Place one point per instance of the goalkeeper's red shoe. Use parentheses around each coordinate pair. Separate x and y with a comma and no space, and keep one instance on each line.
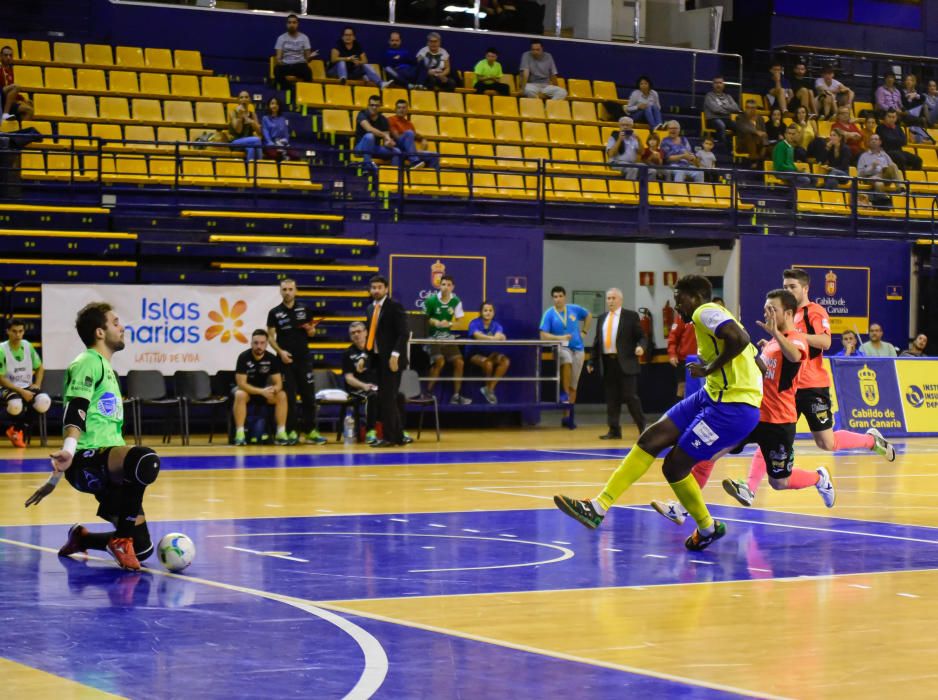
(122,549)
(73,545)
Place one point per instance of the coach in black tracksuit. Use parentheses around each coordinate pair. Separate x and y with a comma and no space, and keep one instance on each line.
(618,344)
(289,326)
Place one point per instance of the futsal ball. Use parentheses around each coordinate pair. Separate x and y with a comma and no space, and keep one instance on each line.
(176,551)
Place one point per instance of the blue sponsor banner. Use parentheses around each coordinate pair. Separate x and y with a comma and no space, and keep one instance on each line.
(844,292)
(414,277)
(868,392)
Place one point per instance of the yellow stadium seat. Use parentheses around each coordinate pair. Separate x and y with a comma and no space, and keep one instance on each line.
(823,128)
(701,195)
(557,110)
(468,80)
(267,174)
(451,127)
(452,154)
(98,55)
(425,124)
(450,103)
(835,202)
(29,77)
(536,153)
(154,84)
(929,158)
(78,131)
(561,134)
(587,135)
(454,183)
(232,171)
(60,166)
(178,111)
(43,127)
(147,110)
(577,89)
(531,107)
(295,174)
(32,165)
(81,106)
(860,107)
(422,182)
(516,186)
(423,101)
(162,170)
(622,191)
(210,113)
(808,200)
(918,182)
(123,82)
(390,96)
(507,130)
(675,193)
(482,185)
(594,188)
(13,44)
(67,52)
(185,86)
(309,94)
(503,106)
(920,207)
(479,129)
(509,156)
(534,132)
(479,105)
(56,78)
(215,86)
(339,96)
(582,111)
(481,154)
(107,132)
(336,121)
(188,60)
(139,132)
(35,51)
(564,160)
(563,189)
(130,57)
(362,93)
(758,99)
(129,168)
(48,105)
(318,68)
(171,134)
(591,160)
(197,171)
(90,80)
(388,178)
(115,109)
(605,90)
(158,58)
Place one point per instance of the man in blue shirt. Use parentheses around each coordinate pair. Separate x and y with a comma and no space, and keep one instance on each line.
(399,63)
(562,322)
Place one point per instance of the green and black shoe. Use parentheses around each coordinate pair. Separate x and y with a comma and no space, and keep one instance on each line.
(582,511)
(697,542)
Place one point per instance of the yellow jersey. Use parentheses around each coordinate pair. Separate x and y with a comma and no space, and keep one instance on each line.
(739,380)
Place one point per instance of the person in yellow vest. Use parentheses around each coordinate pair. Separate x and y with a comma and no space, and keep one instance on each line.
(718,416)
(21,373)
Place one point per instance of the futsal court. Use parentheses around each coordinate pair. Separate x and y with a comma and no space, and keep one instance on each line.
(444,570)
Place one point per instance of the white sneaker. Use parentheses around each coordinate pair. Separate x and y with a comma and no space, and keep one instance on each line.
(672,510)
(739,490)
(387,83)
(458,400)
(882,446)
(825,487)
(6,116)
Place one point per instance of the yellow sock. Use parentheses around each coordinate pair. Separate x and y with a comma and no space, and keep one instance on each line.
(636,463)
(689,494)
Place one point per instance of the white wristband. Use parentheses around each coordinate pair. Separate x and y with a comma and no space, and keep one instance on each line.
(70,445)
(55,478)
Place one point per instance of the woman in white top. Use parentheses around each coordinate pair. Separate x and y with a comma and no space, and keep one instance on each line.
(644,104)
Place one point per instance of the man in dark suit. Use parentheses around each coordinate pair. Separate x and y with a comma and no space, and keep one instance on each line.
(387,341)
(618,344)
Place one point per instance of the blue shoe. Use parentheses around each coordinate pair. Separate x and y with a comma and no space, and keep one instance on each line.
(314,438)
(564,397)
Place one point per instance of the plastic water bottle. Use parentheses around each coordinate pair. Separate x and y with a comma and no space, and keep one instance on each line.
(348,428)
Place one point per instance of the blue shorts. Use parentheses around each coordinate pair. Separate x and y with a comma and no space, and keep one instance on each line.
(708,427)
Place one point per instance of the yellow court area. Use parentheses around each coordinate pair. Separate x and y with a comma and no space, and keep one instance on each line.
(797,601)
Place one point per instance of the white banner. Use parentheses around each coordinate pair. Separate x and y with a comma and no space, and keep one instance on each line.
(167,327)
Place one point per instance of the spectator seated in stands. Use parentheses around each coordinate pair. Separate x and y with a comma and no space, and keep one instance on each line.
(851,345)
(807,135)
(917,347)
(406,137)
(15,104)
(913,102)
(400,65)
(644,104)
(887,95)
(443,309)
(930,112)
(850,130)
(751,136)
(835,161)
(654,158)
(876,346)
(707,159)
(803,88)
(870,125)
(434,66)
(491,360)
(259,383)
(893,139)
(348,60)
(831,94)
(360,378)
(778,93)
(539,74)
(775,127)
(244,128)
(21,373)
(678,155)
(878,166)
(373,134)
(489,74)
(783,160)
(294,52)
(275,130)
(623,149)
(719,109)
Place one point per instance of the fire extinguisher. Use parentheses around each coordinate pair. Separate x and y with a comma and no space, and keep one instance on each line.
(648,330)
(667,317)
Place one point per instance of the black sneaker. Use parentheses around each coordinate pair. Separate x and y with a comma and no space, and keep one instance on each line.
(697,542)
(582,511)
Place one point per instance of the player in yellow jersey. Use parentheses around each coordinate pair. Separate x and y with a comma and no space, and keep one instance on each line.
(718,416)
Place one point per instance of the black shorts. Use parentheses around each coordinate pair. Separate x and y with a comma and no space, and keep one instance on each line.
(815,405)
(777,443)
(88,472)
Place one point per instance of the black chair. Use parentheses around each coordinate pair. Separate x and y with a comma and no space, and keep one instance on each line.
(326,379)
(413,395)
(53,384)
(194,388)
(147,387)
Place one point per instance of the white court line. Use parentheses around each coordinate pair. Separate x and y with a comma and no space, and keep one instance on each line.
(565,553)
(585,454)
(376,660)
